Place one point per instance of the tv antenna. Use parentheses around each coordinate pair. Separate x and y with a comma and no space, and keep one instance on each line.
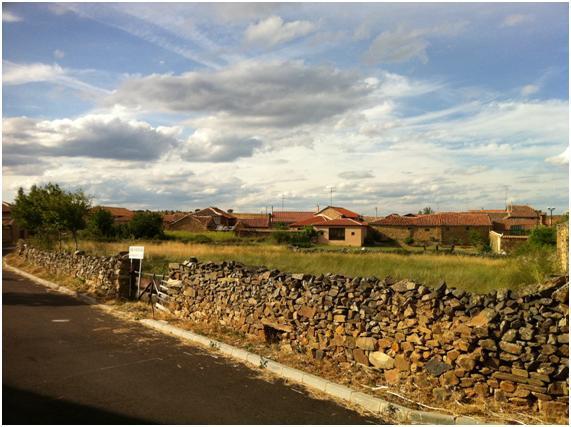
(331,190)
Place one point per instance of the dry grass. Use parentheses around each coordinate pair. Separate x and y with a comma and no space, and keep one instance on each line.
(477,274)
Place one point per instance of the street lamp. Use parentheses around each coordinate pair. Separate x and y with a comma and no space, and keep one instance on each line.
(550,216)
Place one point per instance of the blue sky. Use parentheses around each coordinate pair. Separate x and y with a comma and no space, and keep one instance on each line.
(396,106)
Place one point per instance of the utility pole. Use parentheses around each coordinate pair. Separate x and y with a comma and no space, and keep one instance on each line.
(376,212)
(550,216)
(331,190)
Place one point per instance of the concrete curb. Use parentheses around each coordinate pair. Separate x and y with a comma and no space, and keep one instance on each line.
(370,403)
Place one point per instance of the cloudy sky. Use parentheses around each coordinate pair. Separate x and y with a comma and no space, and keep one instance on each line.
(395,106)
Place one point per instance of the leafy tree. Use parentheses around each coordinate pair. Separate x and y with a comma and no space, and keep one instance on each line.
(543,236)
(73,209)
(425,211)
(101,223)
(146,225)
(49,210)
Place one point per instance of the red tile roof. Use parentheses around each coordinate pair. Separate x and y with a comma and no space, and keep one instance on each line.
(213,211)
(438,219)
(6,208)
(117,212)
(168,218)
(314,220)
(345,212)
(522,211)
(290,216)
(256,222)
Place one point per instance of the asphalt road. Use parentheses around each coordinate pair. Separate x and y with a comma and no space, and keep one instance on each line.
(65,362)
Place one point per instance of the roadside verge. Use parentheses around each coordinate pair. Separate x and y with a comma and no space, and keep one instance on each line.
(364,401)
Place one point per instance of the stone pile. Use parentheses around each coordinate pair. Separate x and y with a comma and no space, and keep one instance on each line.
(104,276)
(511,347)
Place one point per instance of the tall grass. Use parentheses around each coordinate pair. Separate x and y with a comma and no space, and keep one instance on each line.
(467,272)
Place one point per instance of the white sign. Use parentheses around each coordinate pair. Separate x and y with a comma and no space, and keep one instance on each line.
(136,252)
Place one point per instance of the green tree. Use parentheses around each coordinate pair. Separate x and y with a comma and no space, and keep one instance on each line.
(100,223)
(543,236)
(146,225)
(48,210)
(425,211)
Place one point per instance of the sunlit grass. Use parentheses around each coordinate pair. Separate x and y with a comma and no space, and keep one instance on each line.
(477,274)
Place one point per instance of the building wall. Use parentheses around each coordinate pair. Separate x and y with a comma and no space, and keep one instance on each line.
(392,232)
(563,247)
(354,236)
(460,234)
(426,234)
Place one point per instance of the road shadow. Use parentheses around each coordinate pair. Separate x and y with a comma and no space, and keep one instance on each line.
(26,407)
(37,300)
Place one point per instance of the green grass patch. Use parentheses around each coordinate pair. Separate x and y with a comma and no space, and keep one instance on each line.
(476,274)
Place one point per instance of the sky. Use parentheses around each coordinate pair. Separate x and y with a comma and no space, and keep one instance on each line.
(381,107)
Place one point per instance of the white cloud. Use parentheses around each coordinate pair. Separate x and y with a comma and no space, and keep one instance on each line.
(59,54)
(404,44)
(17,74)
(356,175)
(8,16)
(253,93)
(529,90)
(91,136)
(516,19)
(14,74)
(561,159)
(210,145)
(273,31)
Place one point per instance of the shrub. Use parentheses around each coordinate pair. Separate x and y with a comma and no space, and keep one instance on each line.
(409,240)
(100,224)
(543,236)
(146,225)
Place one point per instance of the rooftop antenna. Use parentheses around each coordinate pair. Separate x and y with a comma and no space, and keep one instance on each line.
(506,189)
(331,190)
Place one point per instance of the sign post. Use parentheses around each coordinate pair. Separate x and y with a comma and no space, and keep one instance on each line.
(137,252)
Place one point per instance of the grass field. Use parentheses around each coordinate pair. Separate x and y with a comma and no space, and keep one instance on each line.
(467,272)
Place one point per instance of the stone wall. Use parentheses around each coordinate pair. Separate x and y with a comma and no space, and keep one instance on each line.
(563,247)
(104,276)
(513,348)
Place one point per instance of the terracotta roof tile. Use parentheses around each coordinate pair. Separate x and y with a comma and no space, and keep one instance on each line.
(256,222)
(291,216)
(438,219)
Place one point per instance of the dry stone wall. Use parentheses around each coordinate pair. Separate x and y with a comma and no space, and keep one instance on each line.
(452,343)
(104,276)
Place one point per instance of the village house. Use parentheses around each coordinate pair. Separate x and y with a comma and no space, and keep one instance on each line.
(120,215)
(444,228)
(209,219)
(287,218)
(516,220)
(336,226)
(10,230)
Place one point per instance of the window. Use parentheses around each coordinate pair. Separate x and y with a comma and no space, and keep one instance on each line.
(352,233)
(336,234)
(427,229)
(467,228)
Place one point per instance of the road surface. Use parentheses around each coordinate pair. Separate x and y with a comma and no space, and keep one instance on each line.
(65,362)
